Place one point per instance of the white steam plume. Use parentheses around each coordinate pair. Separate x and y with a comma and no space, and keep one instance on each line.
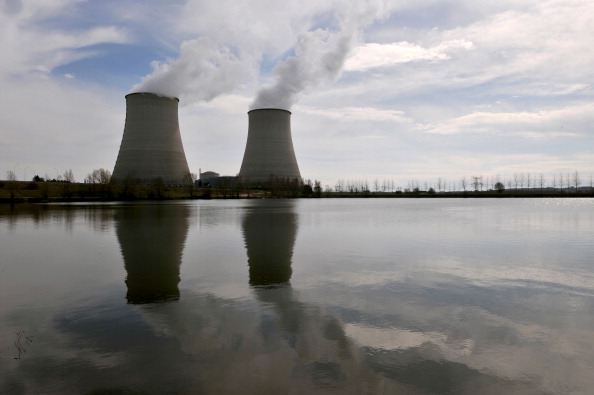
(319,57)
(202,72)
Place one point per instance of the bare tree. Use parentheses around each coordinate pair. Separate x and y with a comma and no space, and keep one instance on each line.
(516,180)
(68,188)
(11,184)
(463,183)
(576,180)
(10,175)
(68,176)
(541,181)
(477,181)
(99,176)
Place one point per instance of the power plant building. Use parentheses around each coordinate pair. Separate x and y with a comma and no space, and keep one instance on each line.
(269,152)
(151,147)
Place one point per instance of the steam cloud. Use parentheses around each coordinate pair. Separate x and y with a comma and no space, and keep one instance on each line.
(202,72)
(319,57)
(205,70)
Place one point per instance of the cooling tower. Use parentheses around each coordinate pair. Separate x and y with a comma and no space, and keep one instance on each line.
(269,150)
(151,146)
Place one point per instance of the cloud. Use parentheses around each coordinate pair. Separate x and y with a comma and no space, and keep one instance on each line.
(537,124)
(372,55)
(203,71)
(349,114)
(26,48)
(319,56)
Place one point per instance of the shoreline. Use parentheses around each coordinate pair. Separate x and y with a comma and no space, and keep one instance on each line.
(22,192)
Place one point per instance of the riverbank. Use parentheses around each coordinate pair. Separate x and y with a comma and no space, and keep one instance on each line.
(48,192)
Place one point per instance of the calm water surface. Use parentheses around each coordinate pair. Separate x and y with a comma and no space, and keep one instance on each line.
(420,296)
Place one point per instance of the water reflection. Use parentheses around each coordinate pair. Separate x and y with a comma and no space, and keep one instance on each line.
(313,345)
(152,239)
(392,312)
(269,234)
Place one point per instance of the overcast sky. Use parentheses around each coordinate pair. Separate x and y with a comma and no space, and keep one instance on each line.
(391,89)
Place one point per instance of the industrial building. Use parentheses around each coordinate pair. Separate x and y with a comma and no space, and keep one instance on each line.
(269,152)
(151,147)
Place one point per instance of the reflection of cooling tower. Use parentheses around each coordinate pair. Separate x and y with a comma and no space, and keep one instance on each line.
(269,236)
(151,147)
(269,150)
(152,239)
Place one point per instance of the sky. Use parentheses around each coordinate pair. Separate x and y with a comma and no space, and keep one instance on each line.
(378,89)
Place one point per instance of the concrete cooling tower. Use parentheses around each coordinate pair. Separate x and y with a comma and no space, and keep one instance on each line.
(151,146)
(269,150)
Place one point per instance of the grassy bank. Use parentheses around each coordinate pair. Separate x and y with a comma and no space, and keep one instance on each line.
(21,191)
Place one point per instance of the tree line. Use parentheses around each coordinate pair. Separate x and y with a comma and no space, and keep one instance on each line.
(524,182)
(100,184)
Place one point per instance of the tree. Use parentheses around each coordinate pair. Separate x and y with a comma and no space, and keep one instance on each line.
(10,175)
(477,182)
(68,176)
(99,176)
(499,187)
(67,188)
(317,188)
(11,184)
(463,183)
(576,180)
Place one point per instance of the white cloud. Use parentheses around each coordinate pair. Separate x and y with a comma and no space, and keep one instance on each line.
(538,124)
(349,114)
(379,55)
(26,47)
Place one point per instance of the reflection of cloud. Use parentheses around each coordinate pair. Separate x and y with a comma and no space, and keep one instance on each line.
(419,327)
(208,344)
(401,339)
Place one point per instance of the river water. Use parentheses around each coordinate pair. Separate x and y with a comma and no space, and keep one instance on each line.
(377,296)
